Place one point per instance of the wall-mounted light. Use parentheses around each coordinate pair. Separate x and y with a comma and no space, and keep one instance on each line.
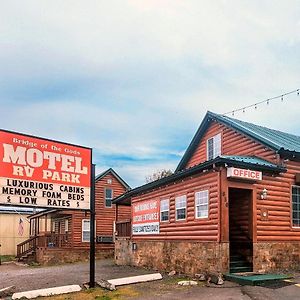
(264,194)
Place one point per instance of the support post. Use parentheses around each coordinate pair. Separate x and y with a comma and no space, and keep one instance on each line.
(92,229)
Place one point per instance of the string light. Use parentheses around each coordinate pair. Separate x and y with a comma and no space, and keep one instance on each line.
(267,101)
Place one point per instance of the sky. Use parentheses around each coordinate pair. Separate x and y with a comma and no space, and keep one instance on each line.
(134,79)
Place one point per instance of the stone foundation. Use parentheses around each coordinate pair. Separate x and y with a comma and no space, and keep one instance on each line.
(184,257)
(53,256)
(276,256)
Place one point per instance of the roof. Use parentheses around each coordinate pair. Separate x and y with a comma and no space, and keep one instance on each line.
(17,210)
(110,170)
(283,143)
(251,162)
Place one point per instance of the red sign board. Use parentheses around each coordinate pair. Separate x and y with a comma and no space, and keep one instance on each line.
(43,173)
(244,174)
(145,217)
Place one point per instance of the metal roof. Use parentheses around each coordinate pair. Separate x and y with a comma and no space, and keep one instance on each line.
(252,162)
(286,144)
(17,210)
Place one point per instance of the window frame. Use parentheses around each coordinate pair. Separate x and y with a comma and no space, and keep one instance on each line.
(82,227)
(165,210)
(66,225)
(215,154)
(112,197)
(197,206)
(176,208)
(292,209)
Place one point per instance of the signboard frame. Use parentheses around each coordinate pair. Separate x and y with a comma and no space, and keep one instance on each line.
(66,184)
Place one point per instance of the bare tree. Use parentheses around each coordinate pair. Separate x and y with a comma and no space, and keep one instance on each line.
(158,175)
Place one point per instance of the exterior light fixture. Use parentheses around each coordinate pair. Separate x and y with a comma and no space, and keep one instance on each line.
(264,194)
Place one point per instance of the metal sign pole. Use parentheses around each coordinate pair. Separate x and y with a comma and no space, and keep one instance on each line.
(92,229)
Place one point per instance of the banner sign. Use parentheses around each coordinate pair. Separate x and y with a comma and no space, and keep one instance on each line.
(244,174)
(38,172)
(145,217)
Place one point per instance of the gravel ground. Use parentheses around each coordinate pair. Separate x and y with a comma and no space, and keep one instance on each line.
(30,278)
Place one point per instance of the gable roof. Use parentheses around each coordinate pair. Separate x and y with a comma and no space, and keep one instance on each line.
(283,143)
(111,171)
(251,162)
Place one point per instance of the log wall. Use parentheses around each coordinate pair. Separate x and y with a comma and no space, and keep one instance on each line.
(191,228)
(233,143)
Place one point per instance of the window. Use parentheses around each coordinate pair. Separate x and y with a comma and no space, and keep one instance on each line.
(85,230)
(296,205)
(108,197)
(214,147)
(164,210)
(180,204)
(201,204)
(66,225)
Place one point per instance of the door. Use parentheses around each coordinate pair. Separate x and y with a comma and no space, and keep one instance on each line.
(240,230)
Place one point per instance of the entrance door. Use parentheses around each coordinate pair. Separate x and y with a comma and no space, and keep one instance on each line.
(240,230)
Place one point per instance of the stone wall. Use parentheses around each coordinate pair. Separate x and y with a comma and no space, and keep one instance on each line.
(276,256)
(185,257)
(53,256)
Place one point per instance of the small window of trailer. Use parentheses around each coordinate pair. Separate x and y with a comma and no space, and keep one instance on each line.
(180,205)
(214,147)
(296,206)
(164,210)
(201,204)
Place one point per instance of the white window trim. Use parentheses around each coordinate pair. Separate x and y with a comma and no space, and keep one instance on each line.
(214,138)
(66,225)
(185,207)
(293,226)
(112,197)
(198,206)
(168,210)
(82,221)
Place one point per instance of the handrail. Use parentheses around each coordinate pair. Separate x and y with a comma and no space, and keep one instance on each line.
(27,246)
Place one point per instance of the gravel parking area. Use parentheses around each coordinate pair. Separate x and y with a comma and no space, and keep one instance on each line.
(29,278)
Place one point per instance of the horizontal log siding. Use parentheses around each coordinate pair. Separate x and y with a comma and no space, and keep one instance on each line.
(191,228)
(233,143)
(105,216)
(278,227)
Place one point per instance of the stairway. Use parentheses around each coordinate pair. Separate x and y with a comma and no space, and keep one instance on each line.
(239,264)
(28,258)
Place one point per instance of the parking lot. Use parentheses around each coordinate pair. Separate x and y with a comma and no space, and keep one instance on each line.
(29,278)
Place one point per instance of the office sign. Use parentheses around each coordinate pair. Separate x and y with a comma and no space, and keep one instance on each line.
(43,173)
(244,174)
(145,217)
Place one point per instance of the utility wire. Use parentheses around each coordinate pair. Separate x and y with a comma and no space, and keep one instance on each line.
(255,105)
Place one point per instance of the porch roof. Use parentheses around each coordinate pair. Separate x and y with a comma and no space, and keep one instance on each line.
(248,162)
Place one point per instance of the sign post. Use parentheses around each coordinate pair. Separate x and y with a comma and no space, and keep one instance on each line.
(92,229)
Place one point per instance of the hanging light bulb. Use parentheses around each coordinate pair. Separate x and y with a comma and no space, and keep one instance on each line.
(297,92)
(281,98)
(243,110)
(255,106)
(233,113)
(268,102)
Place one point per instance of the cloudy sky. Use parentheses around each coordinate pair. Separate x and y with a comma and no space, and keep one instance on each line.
(133,79)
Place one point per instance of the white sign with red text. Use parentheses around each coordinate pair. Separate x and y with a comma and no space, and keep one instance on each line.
(244,174)
(145,217)
(38,172)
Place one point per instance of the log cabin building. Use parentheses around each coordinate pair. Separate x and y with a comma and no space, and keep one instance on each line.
(64,235)
(232,205)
